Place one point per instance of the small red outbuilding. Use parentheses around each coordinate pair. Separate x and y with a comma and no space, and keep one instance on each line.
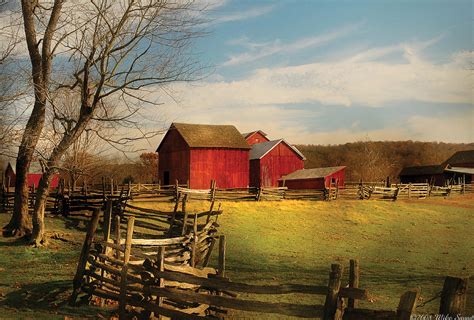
(317,178)
(34,175)
(255,137)
(199,153)
(271,160)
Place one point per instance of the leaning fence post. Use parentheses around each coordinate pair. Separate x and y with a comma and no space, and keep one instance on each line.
(407,304)
(332,299)
(353,280)
(107,222)
(81,266)
(453,296)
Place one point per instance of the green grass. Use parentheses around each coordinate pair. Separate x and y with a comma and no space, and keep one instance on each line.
(35,283)
(401,245)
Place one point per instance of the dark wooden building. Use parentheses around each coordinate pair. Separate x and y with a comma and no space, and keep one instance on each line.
(456,175)
(463,159)
(456,168)
(316,178)
(433,174)
(271,160)
(255,137)
(198,153)
(34,175)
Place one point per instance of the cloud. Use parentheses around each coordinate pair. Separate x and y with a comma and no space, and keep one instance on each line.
(279,100)
(347,82)
(261,50)
(242,15)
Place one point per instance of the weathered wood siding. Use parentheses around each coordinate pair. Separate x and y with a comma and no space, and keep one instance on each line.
(281,160)
(436,179)
(256,137)
(316,183)
(174,157)
(228,167)
(336,176)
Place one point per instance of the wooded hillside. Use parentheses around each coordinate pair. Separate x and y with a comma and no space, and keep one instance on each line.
(375,160)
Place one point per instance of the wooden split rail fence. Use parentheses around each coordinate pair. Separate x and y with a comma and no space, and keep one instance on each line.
(151,276)
(66,201)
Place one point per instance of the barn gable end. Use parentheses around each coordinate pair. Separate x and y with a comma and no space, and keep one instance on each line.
(255,137)
(198,153)
(270,160)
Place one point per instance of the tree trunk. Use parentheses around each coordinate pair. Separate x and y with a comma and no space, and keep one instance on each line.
(42,194)
(20,224)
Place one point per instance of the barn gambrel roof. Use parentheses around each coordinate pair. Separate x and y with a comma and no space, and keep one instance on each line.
(313,173)
(259,150)
(209,136)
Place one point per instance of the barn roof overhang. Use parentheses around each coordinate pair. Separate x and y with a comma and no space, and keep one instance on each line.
(460,170)
(314,173)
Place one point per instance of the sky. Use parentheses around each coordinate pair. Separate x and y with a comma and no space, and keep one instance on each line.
(326,71)
(330,72)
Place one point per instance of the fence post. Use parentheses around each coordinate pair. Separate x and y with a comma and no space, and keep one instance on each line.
(117,236)
(332,303)
(209,253)
(259,192)
(107,222)
(353,280)
(453,296)
(176,185)
(161,283)
(195,242)
(222,245)
(407,304)
(409,190)
(123,275)
(81,266)
(213,190)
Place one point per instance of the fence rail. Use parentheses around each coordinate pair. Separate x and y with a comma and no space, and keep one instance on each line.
(67,201)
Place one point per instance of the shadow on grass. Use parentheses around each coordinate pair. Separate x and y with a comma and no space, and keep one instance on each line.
(15,242)
(51,297)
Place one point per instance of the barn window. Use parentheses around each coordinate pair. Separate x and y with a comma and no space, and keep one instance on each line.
(166,178)
(333,181)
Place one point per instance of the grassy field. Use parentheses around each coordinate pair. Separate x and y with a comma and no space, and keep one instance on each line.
(401,245)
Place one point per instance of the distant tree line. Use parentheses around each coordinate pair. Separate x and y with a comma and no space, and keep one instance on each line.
(376,160)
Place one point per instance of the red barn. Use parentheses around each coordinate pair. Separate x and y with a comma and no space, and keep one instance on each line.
(317,178)
(34,175)
(271,160)
(255,137)
(198,153)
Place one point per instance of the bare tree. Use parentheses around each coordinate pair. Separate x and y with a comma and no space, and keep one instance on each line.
(109,53)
